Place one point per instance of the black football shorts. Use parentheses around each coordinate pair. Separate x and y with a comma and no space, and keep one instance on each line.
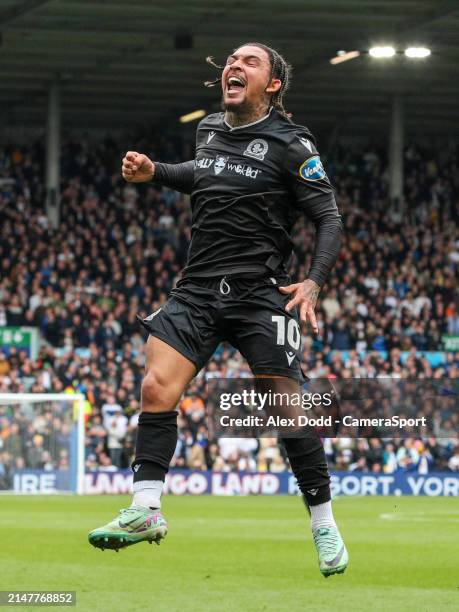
(249,313)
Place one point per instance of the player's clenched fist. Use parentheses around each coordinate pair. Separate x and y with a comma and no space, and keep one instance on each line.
(137,167)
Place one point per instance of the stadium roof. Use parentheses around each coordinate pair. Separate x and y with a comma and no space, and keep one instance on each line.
(118,64)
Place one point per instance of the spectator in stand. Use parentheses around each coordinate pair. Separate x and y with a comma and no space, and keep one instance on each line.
(407,456)
(36,453)
(105,463)
(453,462)
(390,464)
(96,435)
(116,430)
(109,409)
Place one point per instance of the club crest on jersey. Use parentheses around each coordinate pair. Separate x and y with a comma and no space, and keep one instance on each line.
(220,163)
(257,149)
(312,169)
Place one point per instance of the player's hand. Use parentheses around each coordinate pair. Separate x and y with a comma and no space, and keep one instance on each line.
(304,295)
(137,167)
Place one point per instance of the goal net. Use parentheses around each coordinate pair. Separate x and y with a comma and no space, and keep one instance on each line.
(41,443)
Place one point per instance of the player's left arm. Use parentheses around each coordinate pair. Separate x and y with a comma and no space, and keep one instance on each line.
(314,196)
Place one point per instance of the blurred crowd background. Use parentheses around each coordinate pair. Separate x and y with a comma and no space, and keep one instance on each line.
(119,250)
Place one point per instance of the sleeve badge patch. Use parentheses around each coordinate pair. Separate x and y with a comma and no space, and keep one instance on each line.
(312,169)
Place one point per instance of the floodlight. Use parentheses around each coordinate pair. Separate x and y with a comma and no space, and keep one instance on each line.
(417,52)
(380,52)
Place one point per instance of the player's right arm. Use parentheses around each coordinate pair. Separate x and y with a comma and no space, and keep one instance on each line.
(138,168)
(313,195)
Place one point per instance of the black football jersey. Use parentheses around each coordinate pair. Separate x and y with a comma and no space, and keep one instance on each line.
(248,186)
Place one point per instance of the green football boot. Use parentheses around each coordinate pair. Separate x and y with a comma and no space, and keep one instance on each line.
(333,556)
(133,525)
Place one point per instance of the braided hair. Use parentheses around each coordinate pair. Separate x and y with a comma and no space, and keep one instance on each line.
(280,69)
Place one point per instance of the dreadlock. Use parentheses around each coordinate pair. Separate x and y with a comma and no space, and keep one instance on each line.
(280,69)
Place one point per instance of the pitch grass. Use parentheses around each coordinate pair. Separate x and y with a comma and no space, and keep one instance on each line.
(236,554)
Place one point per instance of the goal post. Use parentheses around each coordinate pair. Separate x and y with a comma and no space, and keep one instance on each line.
(42,443)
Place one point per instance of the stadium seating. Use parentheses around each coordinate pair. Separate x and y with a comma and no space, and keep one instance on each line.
(119,249)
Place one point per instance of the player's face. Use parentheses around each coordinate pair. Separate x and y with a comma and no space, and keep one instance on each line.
(245,78)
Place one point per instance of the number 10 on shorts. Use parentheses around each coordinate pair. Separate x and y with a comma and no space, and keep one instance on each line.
(293,331)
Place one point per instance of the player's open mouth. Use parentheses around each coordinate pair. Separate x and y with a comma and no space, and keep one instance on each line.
(235,84)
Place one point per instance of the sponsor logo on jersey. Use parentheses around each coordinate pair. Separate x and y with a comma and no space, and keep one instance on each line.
(257,149)
(306,143)
(244,170)
(210,135)
(220,163)
(204,162)
(290,357)
(312,169)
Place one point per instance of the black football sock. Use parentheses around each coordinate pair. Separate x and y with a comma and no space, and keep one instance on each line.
(309,465)
(155,445)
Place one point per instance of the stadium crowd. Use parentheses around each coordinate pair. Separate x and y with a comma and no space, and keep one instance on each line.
(119,249)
